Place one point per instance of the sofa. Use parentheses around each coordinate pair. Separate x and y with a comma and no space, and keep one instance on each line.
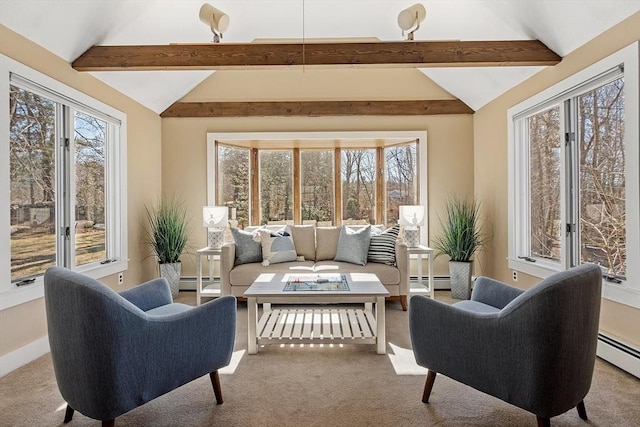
(317,249)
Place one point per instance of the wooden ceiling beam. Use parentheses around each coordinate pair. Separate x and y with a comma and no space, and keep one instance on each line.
(317,108)
(408,54)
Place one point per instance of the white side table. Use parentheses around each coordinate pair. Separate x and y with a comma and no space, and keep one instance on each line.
(211,290)
(420,251)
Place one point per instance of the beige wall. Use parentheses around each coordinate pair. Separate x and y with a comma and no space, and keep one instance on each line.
(449,138)
(25,323)
(490,159)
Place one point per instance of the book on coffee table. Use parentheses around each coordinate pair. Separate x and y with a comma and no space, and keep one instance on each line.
(317,282)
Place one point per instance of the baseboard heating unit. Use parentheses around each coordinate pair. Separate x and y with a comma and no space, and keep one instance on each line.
(619,354)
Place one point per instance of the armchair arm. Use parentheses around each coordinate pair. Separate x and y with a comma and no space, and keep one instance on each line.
(148,295)
(442,335)
(191,343)
(493,292)
(402,262)
(493,352)
(227,262)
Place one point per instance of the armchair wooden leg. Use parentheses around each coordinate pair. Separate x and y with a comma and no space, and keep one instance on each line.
(68,415)
(110,423)
(403,302)
(428,385)
(215,382)
(582,412)
(543,422)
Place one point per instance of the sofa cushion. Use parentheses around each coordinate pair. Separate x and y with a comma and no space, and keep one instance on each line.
(326,242)
(304,239)
(246,274)
(382,248)
(353,246)
(276,247)
(247,250)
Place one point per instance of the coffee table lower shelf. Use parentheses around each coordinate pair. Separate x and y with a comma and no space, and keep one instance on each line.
(317,326)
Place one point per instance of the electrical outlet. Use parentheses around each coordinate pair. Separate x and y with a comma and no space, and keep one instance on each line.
(515,276)
(120,278)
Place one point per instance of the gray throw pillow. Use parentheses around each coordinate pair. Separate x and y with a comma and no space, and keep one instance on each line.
(353,246)
(276,247)
(247,250)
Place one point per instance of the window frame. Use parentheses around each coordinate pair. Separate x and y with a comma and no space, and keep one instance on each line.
(419,136)
(627,292)
(115,181)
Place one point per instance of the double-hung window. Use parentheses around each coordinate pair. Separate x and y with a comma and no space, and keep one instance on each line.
(574,179)
(63,180)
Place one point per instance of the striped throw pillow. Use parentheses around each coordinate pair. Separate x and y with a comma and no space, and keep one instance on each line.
(382,248)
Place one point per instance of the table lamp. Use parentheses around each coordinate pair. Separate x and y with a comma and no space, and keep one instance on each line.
(411,217)
(215,219)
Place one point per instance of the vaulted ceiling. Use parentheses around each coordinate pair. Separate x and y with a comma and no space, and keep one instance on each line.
(68,28)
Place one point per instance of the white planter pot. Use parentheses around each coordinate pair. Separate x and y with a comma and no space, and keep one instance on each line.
(171,272)
(460,273)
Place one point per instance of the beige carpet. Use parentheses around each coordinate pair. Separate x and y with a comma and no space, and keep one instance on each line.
(328,386)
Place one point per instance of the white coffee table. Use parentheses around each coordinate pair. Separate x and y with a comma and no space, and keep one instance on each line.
(322,324)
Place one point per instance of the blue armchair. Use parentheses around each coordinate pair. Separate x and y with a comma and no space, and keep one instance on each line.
(114,352)
(534,349)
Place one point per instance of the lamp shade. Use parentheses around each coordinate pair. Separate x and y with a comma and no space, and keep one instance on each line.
(411,215)
(214,216)
(411,16)
(214,18)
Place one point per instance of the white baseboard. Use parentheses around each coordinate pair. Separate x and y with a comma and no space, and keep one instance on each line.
(619,354)
(20,357)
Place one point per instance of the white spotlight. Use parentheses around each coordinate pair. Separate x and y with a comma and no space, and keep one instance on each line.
(217,20)
(410,19)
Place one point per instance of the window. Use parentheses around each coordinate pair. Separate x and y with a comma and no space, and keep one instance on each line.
(574,176)
(317,186)
(401,179)
(64,192)
(276,185)
(233,181)
(358,174)
(317,178)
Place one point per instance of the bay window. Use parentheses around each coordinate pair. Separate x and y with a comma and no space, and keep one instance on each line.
(317,178)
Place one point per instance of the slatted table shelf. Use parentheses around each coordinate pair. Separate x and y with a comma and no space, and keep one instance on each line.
(354,316)
(313,325)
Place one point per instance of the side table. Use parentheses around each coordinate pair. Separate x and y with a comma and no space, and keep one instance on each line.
(420,251)
(211,290)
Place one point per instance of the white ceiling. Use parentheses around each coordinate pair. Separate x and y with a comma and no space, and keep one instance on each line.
(69,27)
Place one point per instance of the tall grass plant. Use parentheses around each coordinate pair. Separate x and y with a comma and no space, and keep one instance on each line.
(167,232)
(462,235)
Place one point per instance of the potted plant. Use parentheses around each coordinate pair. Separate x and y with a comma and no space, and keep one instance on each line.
(168,237)
(462,236)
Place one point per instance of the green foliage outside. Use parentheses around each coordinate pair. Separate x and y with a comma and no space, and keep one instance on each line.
(462,235)
(167,232)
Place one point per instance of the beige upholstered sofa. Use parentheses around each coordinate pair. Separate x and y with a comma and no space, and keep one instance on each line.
(318,246)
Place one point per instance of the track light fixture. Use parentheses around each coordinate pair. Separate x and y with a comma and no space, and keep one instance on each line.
(410,19)
(217,20)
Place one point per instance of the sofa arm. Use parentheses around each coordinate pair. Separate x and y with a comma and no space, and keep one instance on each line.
(227,262)
(402,262)
(494,293)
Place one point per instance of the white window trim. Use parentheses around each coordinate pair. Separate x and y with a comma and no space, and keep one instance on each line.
(629,292)
(420,136)
(10,294)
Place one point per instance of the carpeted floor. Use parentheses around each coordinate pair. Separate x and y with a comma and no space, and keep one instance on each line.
(320,386)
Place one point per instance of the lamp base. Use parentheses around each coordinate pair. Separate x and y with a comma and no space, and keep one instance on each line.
(412,237)
(215,238)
